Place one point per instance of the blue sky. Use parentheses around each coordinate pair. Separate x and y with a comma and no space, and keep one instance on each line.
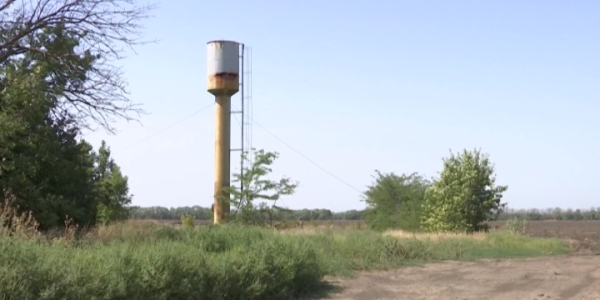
(363,85)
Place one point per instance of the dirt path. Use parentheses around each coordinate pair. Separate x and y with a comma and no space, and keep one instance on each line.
(565,277)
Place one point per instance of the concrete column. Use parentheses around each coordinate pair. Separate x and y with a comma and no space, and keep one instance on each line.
(222,155)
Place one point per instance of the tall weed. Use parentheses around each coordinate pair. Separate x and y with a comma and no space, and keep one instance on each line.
(516,226)
(146,260)
(209,263)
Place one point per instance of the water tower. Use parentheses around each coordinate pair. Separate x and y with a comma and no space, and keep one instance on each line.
(223,82)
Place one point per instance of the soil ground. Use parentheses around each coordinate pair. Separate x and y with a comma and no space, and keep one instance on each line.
(564,277)
(575,276)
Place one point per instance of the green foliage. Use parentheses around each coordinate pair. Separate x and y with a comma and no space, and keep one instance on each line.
(42,161)
(257,187)
(103,214)
(395,201)
(54,78)
(55,177)
(465,196)
(187,221)
(110,188)
(506,245)
(205,263)
(221,262)
(53,173)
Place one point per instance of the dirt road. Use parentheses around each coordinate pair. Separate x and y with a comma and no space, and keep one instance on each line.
(564,277)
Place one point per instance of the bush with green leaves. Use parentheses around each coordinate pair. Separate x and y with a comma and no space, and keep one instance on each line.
(465,196)
(395,201)
(187,221)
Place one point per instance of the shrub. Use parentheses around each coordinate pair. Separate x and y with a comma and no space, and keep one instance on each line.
(465,195)
(395,201)
(209,263)
(187,221)
(145,260)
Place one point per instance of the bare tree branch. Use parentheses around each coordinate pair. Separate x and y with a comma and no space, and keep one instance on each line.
(102,27)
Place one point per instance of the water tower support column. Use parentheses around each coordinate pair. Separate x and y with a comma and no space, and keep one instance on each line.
(222,154)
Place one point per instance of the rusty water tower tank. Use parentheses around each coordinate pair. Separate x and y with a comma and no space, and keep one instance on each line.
(223,68)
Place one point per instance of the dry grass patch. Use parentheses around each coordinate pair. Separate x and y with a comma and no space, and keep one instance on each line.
(478,236)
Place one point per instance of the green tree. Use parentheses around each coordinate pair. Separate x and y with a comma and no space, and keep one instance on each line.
(465,196)
(257,187)
(42,161)
(110,188)
(56,77)
(395,201)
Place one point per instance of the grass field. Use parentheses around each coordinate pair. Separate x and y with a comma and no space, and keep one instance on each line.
(583,236)
(149,260)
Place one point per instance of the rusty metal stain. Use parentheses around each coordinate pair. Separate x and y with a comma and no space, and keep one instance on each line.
(223,84)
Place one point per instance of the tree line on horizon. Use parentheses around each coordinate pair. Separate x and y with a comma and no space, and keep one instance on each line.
(557,214)
(205,214)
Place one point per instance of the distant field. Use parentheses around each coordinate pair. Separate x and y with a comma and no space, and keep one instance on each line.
(584,236)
